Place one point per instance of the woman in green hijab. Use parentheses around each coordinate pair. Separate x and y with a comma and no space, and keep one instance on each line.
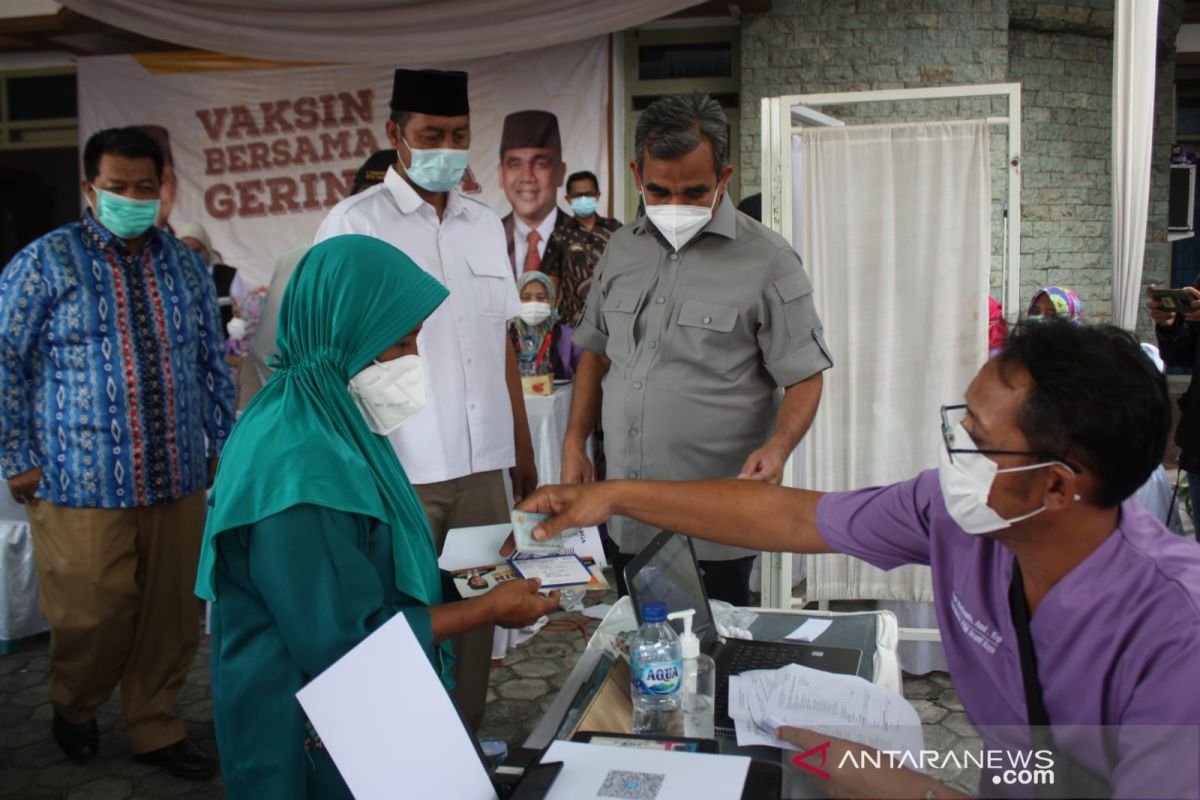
(315,537)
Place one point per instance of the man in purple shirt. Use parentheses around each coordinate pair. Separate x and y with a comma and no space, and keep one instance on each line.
(1027,527)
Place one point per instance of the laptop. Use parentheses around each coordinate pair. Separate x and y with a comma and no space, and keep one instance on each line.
(667,571)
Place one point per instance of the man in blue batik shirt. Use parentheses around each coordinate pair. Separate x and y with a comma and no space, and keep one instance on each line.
(116,402)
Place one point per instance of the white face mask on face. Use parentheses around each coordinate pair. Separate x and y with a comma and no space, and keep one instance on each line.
(388,393)
(678,224)
(966,483)
(535,313)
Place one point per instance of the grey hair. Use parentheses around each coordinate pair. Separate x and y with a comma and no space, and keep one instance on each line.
(672,126)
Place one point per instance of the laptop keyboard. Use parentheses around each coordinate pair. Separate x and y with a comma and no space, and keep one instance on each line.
(760,655)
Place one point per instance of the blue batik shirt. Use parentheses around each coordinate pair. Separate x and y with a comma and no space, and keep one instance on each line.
(112,368)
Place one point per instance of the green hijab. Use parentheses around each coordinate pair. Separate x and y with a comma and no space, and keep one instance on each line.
(302,439)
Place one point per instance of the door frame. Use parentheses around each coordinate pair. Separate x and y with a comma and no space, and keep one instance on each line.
(778,123)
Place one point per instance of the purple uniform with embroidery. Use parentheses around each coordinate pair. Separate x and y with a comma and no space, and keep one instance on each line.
(1117,639)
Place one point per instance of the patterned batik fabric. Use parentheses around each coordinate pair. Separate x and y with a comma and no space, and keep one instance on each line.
(112,368)
(571,256)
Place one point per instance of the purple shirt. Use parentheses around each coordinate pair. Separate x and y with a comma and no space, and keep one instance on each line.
(1117,639)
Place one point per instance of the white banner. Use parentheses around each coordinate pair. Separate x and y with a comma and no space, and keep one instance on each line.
(260,155)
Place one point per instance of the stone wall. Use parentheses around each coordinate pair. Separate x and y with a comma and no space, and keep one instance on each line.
(842,45)
(1061,53)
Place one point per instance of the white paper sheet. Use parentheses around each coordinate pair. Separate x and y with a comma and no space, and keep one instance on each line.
(553,571)
(844,706)
(810,630)
(586,543)
(474,547)
(390,726)
(678,776)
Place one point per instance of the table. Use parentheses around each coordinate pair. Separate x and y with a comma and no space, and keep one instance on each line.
(875,632)
(548,417)
(19,613)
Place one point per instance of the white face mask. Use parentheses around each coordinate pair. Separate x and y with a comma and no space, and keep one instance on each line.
(535,313)
(437,169)
(388,393)
(678,224)
(967,482)
(236,328)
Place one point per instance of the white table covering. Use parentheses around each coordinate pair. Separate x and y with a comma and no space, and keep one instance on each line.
(548,417)
(19,613)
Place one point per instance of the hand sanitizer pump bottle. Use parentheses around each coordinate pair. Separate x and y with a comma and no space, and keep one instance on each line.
(699,681)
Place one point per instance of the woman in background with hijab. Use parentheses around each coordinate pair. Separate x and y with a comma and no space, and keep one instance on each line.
(315,537)
(230,289)
(542,343)
(1051,301)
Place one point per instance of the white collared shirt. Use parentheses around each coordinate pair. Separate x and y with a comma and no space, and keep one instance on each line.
(466,426)
(521,237)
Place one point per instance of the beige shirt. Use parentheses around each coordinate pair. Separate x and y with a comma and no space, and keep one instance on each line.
(699,341)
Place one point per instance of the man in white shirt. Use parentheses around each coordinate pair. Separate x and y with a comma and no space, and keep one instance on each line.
(531,173)
(473,425)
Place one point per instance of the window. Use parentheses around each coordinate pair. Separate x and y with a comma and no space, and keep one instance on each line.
(698,60)
(38,109)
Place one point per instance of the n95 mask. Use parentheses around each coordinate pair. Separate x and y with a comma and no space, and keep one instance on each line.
(388,393)
(678,224)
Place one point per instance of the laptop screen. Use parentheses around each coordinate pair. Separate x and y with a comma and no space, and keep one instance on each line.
(666,571)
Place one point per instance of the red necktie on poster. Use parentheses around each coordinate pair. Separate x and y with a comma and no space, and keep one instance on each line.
(533,261)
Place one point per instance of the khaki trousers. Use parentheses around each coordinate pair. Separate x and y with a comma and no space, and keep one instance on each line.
(117,588)
(477,499)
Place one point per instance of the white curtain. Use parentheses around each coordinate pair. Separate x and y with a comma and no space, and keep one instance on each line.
(897,239)
(1134,41)
(396,32)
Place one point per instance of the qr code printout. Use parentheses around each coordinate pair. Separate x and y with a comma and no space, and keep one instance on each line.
(631,785)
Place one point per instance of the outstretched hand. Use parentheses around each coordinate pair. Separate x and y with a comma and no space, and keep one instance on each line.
(577,506)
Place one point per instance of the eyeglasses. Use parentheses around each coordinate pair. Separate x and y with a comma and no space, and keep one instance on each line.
(952,416)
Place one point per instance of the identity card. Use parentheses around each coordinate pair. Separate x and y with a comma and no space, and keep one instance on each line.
(523,524)
(554,571)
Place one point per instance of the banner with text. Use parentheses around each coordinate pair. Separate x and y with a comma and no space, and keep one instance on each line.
(259,155)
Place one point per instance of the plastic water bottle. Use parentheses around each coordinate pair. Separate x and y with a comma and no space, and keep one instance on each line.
(655,662)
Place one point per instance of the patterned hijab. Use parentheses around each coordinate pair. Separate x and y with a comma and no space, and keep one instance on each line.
(1066,303)
(302,439)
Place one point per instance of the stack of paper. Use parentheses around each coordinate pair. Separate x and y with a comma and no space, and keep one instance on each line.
(843,706)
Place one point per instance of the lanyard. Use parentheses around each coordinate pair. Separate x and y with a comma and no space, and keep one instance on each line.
(537,363)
